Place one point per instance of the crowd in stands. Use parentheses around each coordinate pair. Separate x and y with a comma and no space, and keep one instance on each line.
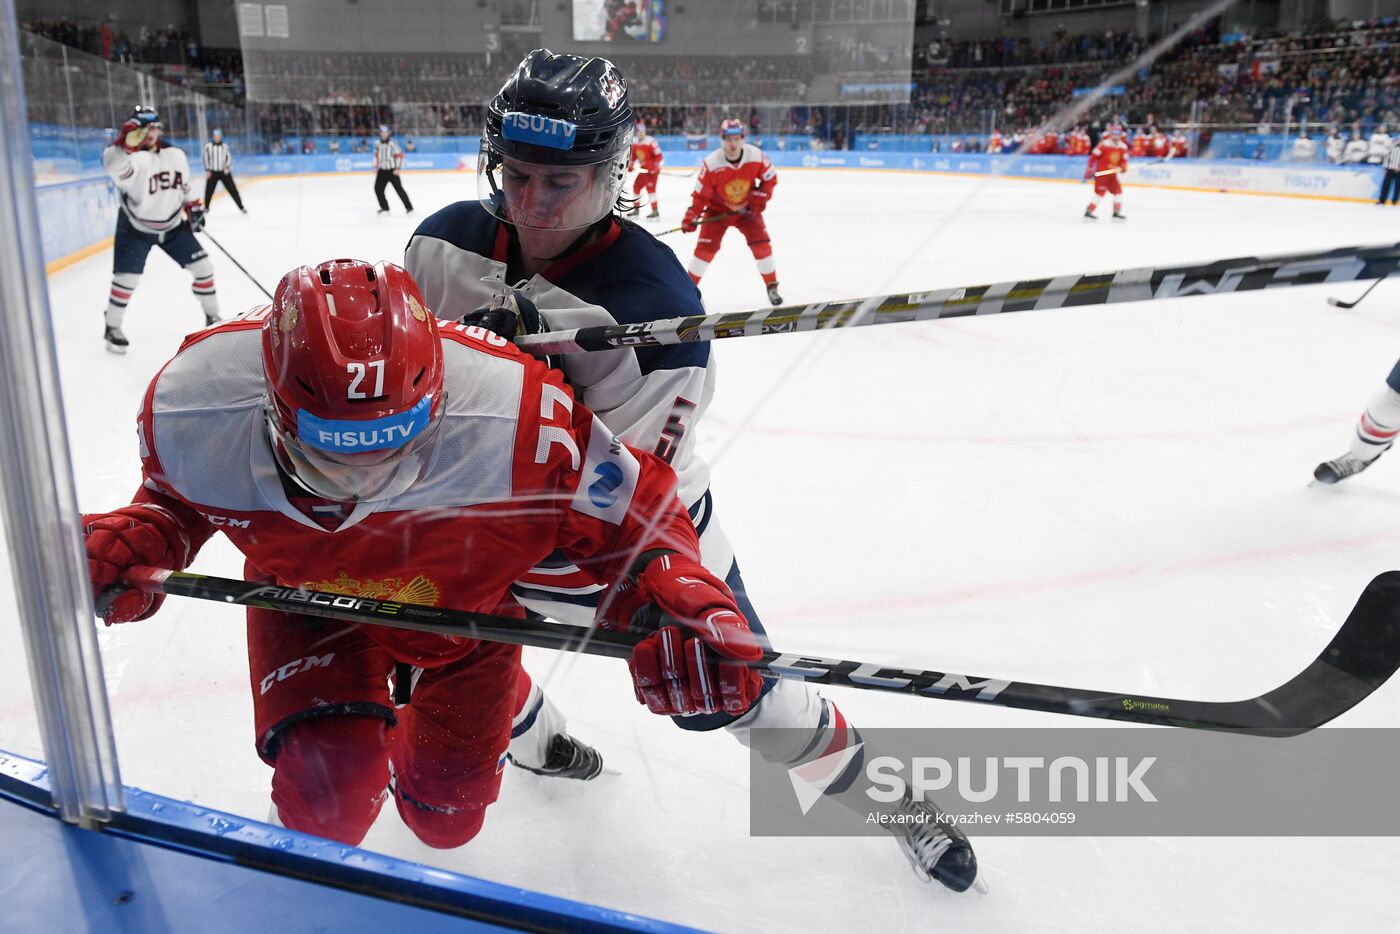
(1344,75)
(171,53)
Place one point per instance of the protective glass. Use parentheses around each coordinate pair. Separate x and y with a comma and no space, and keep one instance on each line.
(548,197)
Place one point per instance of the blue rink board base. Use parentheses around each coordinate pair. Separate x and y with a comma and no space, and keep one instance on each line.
(167,865)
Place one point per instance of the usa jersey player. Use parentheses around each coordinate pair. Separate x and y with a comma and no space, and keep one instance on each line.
(369,449)
(157,209)
(732,189)
(544,243)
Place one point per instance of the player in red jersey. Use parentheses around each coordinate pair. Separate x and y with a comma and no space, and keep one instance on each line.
(1078,142)
(646,154)
(1180,146)
(366,448)
(1138,147)
(1158,146)
(1107,161)
(736,181)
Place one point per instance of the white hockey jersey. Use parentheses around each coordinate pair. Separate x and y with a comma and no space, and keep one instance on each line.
(154,185)
(649,397)
(1377,147)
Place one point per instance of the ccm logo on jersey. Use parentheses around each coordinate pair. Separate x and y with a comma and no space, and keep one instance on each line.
(295,667)
(227,521)
(538,131)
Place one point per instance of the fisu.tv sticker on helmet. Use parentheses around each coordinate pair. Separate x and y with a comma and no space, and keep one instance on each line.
(538,131)
(352,436)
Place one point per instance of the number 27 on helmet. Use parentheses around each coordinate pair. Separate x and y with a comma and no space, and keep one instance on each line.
(354,372)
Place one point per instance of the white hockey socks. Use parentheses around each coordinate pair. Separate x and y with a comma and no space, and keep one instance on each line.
(123,285)
(532,729)
(1378,426)
(203,272)
(799,728)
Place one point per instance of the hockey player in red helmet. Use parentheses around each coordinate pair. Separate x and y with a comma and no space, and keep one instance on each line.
(732,189)
(367,448)
(355,385)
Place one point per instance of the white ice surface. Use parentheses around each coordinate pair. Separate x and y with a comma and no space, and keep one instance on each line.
(1114,497)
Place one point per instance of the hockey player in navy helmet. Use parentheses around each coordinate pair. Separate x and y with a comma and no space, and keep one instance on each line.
(546,245)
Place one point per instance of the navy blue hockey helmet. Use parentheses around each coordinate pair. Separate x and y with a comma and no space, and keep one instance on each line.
(563,111)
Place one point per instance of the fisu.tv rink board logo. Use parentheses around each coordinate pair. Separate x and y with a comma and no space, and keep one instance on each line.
(881,677)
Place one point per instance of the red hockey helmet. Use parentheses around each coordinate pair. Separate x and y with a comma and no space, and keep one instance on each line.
(731,127)
(353,364)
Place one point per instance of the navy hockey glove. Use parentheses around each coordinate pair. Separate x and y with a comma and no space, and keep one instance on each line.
(694,624)
(510,316)
(195,210)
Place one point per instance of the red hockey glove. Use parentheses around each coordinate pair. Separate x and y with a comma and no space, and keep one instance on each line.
(675,670)
(758,200)
(194,210)
(690,221)
(133,536)
(132,135)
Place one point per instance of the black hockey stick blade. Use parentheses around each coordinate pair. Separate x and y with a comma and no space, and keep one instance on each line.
(1361,657)
(1341,304)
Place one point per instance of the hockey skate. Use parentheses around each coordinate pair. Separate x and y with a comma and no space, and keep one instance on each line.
(773,297)
(1090,215)
(568,758)
(115,339)
(1119,217)
(1344,466)
(935,847)
(211,320)
(654,214)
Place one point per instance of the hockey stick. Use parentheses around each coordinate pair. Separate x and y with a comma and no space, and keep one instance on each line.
(1361,656)
(238,264)
(1239,274)
(709,220)
(1341,304)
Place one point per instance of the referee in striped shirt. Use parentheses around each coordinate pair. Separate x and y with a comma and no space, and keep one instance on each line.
(1391,181)
(388,159)
(218,167)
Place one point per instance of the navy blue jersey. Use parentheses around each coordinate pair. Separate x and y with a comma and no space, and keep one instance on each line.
(651,398)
